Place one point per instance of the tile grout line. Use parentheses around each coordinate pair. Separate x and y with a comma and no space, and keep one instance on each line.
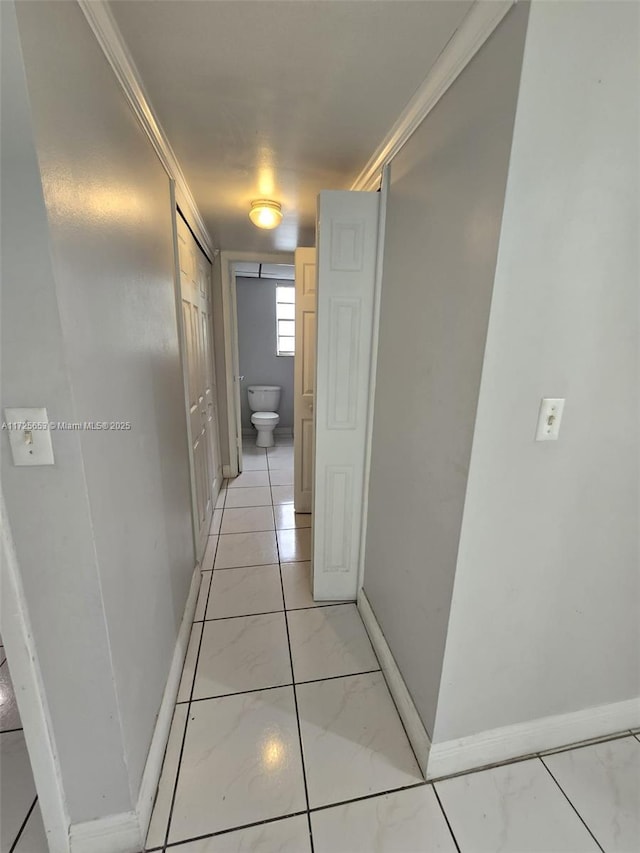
(22,825)
(195,670)
(566,796)
(267,612)
(277,686)
(295,694)
(222,832)
(444,815)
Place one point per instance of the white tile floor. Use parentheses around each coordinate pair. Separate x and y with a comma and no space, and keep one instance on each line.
(21,829)
(285,738)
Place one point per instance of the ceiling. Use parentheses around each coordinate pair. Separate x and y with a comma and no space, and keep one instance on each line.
(279,98)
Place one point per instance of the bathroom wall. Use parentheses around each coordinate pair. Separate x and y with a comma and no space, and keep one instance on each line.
(443,221)
(257,347)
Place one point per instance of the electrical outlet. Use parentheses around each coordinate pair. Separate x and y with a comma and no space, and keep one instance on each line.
(549,418)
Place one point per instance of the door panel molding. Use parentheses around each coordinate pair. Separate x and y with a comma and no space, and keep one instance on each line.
(304,382)
(346,282)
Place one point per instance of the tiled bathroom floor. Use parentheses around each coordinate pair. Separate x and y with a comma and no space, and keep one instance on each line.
(285,738)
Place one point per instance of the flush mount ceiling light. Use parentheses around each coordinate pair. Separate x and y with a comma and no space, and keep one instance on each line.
(265,213)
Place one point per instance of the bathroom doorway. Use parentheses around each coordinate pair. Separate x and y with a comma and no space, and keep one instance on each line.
(265,311)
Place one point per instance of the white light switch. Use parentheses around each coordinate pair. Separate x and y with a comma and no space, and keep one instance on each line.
(29,436)
(549,418)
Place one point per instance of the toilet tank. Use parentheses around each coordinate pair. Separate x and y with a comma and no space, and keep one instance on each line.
(264,398)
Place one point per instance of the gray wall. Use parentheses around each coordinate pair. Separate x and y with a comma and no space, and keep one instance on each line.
(544,617)
(443,220)
(49,507)
(257,346)
(104,538)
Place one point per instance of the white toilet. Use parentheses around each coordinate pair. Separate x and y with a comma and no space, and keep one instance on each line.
(263,402)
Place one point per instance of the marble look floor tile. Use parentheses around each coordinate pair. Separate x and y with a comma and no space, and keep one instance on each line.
(249,497)
(215,522)
(286,518)
(281,476)
(402,822)
(245,591)
(209,553)
(33,838)
(254,461)
(241,764)
(294,545)
(603,783)
(203,594)
(17,788)
(296,579)
(290,835)
(353,741)
(251,479)
(162,807)
(246,549)
(241,654)
(282,494)
(189,668)
(298,593)
(248,519)
(515,807)
(329,641)
(280,451)
(9,714)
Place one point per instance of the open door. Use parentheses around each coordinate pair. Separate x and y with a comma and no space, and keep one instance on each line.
(348,225)
(304,379)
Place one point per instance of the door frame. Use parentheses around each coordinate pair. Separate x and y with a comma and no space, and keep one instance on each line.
(18,639)
(373,368)
(175,213)
(231,350)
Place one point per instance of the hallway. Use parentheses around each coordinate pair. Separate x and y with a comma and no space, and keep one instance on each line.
(283,712)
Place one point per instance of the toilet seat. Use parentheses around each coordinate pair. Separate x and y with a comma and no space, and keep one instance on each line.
(264,418)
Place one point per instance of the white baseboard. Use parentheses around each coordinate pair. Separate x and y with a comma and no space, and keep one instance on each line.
(119,833)
(499,745)
(126,832)
(413,725)
(155,756)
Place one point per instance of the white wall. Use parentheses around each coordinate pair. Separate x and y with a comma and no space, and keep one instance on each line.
(49,507)
(544,617)
(259,363)
(443,219)
(104,538)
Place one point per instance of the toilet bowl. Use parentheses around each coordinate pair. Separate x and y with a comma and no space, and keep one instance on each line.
(265,423)
(263,402)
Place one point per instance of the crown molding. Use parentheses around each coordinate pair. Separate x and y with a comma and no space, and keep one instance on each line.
(476,27)
(105,29)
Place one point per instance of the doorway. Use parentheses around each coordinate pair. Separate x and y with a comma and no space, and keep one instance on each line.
(265,310)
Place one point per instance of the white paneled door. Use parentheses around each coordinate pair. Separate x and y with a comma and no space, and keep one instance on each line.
(346,285)
(195,291)
(305,378)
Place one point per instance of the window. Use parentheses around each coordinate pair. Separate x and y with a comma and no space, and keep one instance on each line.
(285,319)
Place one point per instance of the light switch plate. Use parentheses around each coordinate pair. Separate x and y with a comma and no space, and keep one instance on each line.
(29,436)
(549,418)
